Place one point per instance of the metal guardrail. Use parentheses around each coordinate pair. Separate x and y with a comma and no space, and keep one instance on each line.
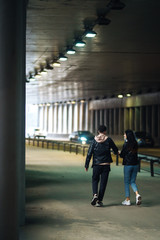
(151,159)
(58,145)
(79,148)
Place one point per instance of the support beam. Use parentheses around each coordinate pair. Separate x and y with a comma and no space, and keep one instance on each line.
(12,120)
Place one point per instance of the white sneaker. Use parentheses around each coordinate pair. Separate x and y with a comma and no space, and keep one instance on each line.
(94,199)
(138,199)
(126,203)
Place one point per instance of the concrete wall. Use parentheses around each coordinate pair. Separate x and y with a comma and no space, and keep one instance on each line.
(139,113)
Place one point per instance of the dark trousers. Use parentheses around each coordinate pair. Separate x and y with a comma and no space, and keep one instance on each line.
(100,172)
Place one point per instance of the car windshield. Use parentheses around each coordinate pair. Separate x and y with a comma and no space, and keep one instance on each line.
(141,134)
(84,133)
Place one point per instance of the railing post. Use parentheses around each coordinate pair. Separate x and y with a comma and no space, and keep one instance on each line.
(139,165)
(76,149)
(70,148)
(152,169)
(83,150)
(117,159)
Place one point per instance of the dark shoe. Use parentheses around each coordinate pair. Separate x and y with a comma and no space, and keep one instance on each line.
(94,199)
(99,204)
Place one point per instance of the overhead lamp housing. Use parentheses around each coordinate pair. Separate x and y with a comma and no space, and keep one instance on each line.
(120,96)
(90,33)
(117,5)
(103,21)
(71,51)
(31,77)
(80,43)
(56,64)
(48,67)
(62,58)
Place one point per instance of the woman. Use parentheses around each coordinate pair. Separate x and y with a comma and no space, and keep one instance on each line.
(131,164)
(100,148)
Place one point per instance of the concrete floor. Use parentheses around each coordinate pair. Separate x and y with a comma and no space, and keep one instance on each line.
(58,194)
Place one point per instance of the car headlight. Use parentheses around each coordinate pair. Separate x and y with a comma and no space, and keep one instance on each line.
(83,139)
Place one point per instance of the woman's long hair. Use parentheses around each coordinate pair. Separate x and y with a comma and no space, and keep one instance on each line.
(132,143)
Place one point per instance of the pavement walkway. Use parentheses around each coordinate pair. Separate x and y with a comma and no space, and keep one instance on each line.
(58,194)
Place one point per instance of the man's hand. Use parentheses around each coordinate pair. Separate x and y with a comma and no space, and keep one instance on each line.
(86,169)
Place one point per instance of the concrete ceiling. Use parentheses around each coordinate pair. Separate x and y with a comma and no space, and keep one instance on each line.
(124,57)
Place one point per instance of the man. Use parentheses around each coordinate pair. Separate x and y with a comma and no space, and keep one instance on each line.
(100,148)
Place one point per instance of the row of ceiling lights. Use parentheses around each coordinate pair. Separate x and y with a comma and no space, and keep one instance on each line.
(81,101)
(56,103)
(70,51)
(89,33)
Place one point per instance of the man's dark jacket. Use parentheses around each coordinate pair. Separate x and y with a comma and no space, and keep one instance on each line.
(101,152)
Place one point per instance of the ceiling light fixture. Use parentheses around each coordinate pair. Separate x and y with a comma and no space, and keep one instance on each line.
(120,96)
(70,51)
(62,58)
(90,33)
(43,71)
(56,64)
(116,5)
(31,77)
(48,66)
(80,43)
(37,74)
(101,20)
(128,95)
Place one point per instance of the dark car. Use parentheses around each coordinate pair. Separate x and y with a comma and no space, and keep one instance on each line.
(144,139)
(81,137)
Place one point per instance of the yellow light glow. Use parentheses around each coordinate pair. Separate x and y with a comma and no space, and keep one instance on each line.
(120,96)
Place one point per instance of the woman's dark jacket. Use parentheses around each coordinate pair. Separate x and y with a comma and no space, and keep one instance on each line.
(129,157)
(101,152)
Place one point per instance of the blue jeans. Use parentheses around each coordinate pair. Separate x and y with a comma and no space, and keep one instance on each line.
(100,173)
(130,174)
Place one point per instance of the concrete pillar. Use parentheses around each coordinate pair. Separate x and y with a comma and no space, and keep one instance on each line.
(81,122)
(101,117)
(153,121)
(105,117)
(131,118)
(96,121)
(12,120)
(70,118)
(46,118)
(50,119)
(121,121)
(76,116)
(65,119)
(142,119)
(87,116)
(110,126)
(116,121)
(59,119)
(91,124)
(148,119)
(126,119)
(55,118)
(137,119)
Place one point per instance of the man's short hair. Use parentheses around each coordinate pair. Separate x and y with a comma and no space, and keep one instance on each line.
(102,128)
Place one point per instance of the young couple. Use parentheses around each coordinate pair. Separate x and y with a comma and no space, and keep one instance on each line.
(100,148)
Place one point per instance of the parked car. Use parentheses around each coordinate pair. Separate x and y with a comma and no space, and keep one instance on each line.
(37,133)
(81,137)
(144,139)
